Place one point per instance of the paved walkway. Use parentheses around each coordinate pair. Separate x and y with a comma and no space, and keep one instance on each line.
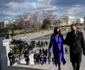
(47,66)
(30,36)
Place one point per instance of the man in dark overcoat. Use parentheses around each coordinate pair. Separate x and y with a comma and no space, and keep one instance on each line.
(75,41)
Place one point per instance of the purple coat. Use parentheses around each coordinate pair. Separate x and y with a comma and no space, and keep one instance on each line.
(57,43)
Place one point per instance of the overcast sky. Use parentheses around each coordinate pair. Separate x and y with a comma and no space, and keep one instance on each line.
(10,8)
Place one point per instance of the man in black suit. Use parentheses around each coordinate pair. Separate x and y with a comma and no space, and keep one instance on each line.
(75,41)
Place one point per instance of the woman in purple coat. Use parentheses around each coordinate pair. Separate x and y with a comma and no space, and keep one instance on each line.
(57,42)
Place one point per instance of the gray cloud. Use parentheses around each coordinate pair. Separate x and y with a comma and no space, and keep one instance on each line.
(62,7)
(7,1)
(67,3)
(70,7)
(4,2)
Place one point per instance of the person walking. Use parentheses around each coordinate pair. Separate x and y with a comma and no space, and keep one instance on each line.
(11,57)
(57,42)
(75,41)
(26,56)
(42,59)
(45,59)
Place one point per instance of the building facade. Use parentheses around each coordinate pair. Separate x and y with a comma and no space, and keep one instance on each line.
(68,20)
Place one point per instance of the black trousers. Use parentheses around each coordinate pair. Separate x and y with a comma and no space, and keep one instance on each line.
(76,66)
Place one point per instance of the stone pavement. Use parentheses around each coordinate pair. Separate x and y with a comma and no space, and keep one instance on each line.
(30,36)
(46,66)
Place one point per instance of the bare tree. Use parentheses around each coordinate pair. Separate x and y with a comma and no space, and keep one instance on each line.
(35,21)
(56,22)
(49,16)
(22,20)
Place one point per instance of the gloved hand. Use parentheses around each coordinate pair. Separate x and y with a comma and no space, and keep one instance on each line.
(49,49)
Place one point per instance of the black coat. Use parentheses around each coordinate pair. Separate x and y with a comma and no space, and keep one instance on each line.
(76,44)
(11,55)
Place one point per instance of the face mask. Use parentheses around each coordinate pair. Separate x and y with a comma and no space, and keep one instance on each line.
(57,32)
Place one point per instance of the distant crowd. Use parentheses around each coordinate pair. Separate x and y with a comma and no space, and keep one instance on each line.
(42,56)
(24,48)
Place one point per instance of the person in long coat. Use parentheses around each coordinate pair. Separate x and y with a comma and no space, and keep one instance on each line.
(75,41)
(56,42)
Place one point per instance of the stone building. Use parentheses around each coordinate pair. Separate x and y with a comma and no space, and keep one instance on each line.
(68,20)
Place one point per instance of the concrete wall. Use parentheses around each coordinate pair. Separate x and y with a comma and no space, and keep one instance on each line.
(6,45)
